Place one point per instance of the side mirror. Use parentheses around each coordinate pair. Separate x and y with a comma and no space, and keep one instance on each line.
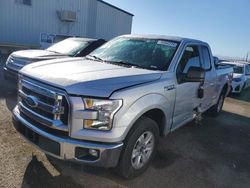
(195,74)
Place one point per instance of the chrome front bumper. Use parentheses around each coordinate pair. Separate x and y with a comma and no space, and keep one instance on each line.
(65,148)
(237,87)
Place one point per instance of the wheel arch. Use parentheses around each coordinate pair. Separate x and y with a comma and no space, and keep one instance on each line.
(225,88)
(158,116)
(154,106)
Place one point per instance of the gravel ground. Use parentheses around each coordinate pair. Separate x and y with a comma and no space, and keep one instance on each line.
(213,154)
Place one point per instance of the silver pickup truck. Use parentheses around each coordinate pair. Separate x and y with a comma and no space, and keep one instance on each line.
(110,108)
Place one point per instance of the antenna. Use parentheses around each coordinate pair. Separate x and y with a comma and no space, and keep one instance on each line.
(247,56)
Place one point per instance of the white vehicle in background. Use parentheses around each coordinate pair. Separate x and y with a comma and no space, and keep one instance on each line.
(241,76)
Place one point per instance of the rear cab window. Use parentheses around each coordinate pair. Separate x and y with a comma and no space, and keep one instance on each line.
(207,62)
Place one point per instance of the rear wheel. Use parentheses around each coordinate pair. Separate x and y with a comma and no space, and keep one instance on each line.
(139,148)
(217,108)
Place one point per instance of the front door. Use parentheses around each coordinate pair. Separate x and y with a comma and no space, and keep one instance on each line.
(186,92)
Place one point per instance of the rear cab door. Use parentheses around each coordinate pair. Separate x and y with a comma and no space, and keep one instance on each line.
(210,86)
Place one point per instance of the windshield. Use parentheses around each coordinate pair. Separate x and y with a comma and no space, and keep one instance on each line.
(238,70)
(68,47)
(144,53)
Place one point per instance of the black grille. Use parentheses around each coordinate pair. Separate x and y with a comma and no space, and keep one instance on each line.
(37,124)
(64,117)
(42,98)
(39,111)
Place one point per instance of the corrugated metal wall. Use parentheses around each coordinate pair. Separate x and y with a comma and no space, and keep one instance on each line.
(22,24)
(111,22)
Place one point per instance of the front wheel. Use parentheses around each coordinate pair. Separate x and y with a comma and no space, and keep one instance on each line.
(139,148)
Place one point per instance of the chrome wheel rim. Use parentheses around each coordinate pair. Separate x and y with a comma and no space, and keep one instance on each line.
(142,150)
(220,104)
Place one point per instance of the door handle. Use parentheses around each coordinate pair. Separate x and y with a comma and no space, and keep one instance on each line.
(170,87)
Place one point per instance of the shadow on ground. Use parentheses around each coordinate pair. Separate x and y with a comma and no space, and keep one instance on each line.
(37,175)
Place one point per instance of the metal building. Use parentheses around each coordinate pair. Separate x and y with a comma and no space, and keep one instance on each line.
(31,22)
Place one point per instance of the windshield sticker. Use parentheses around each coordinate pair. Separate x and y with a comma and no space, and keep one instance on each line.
(167,43)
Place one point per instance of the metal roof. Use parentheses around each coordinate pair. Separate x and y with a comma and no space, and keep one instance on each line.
(82,39)
(104,2)
(234,63)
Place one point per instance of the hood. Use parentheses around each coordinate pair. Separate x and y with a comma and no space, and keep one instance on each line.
(37,54)
(79,76)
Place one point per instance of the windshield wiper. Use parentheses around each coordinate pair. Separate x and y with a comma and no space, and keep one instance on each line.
(54,52)
(121,63)
(95,57)
(124,63)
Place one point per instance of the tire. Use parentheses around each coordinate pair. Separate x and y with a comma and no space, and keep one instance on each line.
(129,166)
(217,108)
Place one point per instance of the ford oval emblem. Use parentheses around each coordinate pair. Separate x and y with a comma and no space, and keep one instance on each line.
(32,101)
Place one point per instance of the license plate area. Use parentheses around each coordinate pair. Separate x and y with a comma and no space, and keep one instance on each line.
(40,141)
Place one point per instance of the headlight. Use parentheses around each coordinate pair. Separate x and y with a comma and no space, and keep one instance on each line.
(105,109)
(237,79)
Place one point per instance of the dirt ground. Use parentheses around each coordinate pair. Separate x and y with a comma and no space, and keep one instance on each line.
(213,154)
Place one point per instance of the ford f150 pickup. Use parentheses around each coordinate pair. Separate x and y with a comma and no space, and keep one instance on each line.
(71,47)
(110,108)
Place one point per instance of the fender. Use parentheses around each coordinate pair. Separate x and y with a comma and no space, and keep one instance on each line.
(141,106)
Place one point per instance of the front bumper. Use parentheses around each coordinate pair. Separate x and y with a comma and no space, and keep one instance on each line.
(66,148)
(237,87)
(10,75)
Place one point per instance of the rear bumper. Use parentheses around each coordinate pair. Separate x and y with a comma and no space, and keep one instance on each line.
(10,75)
(66,148)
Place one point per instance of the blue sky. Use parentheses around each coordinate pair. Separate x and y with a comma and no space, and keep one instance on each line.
(224,24)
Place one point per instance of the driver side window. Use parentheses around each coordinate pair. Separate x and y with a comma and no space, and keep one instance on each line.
(190,58)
